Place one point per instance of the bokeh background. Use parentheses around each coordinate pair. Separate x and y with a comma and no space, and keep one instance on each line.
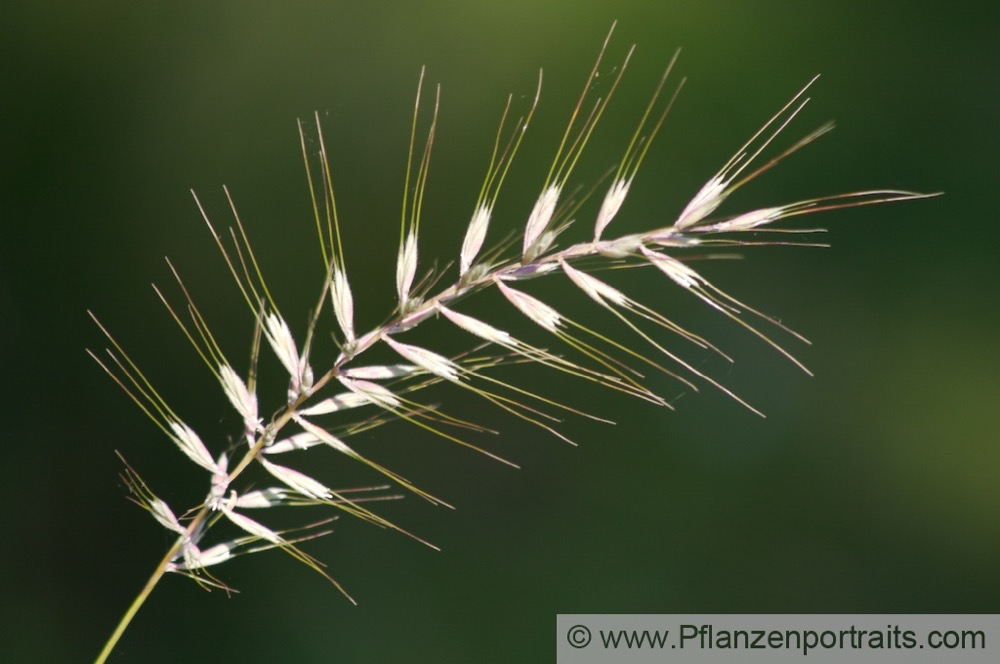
(872,487)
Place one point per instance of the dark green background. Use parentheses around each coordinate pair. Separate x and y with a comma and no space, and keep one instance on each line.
(870,488)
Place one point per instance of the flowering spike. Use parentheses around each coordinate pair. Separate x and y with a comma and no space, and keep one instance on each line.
(596,356)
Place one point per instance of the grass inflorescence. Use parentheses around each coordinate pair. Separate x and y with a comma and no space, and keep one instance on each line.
(326,405)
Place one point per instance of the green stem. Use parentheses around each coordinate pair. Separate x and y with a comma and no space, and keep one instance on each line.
(138,602)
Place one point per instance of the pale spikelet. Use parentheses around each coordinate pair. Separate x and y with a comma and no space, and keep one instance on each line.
(213,555)
(341,401)
(622,247)
(406,268)
(704,203)
(191,555)
(609,208)
(343,304)
(719,186)
(529,271)
(243,401)
(300,441)
(282,343)
(474,237)
(262,498)
(162,513)
(380,371)
(680,273)
(296,480)
(428,360)
(764,216)
(325,436)
(750,220)
(219,482)
(596,289)
(372,392)
(531,307)
(191,445)
(196,560)
(540,217)
(497,336)
(413,318)
(477,327)
(252,527)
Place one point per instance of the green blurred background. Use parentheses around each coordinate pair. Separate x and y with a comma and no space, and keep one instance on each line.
(870,488)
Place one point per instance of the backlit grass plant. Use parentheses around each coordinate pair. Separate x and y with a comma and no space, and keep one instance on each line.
(327,404)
